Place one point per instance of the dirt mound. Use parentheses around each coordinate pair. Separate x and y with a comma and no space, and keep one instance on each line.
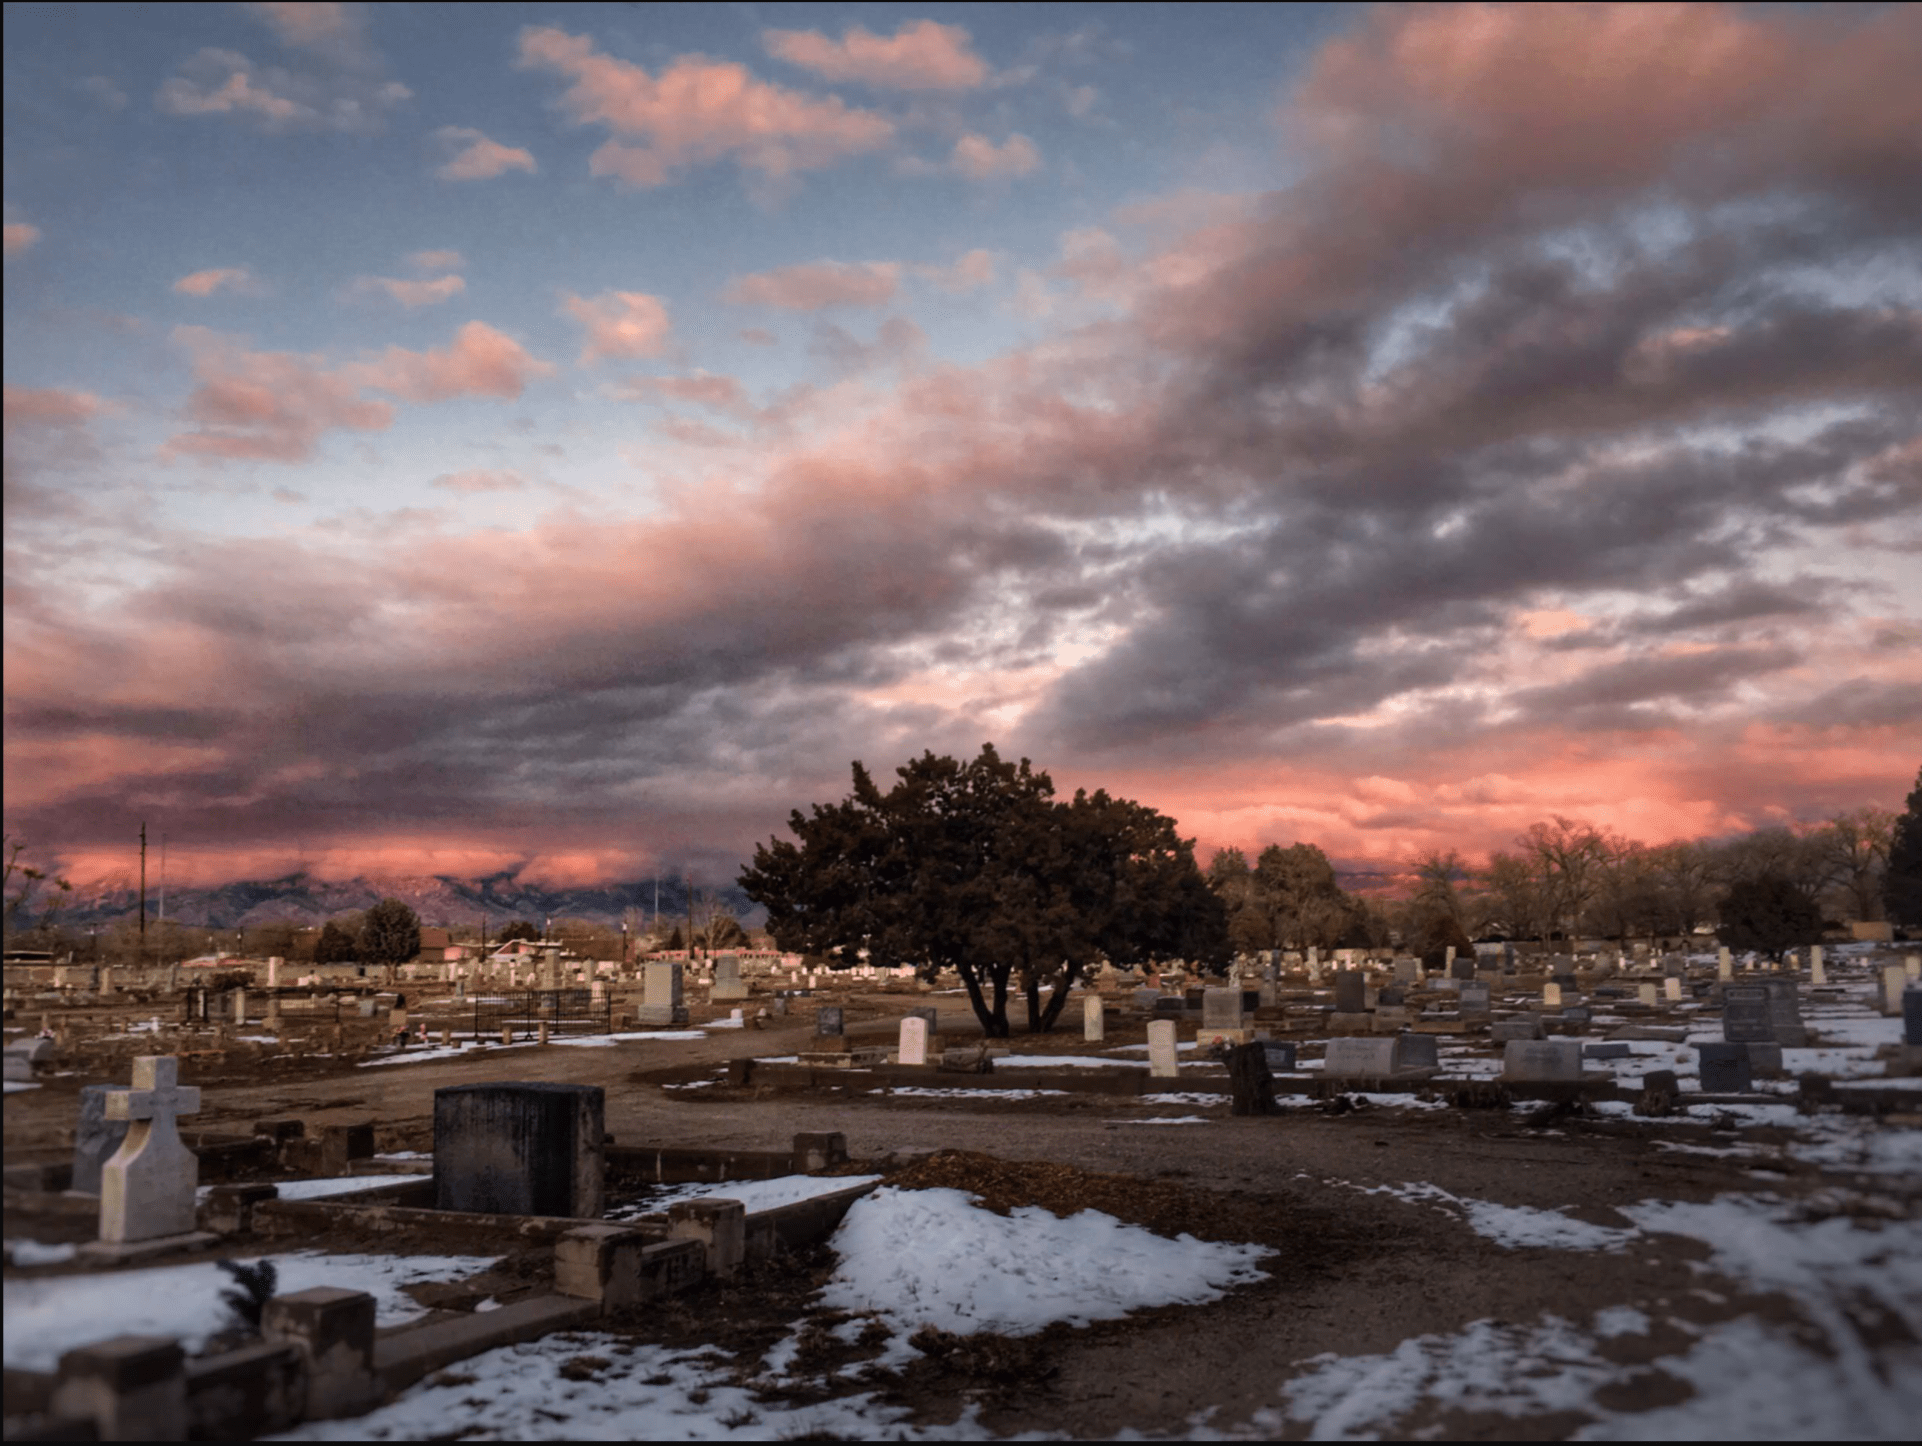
(1063,1190)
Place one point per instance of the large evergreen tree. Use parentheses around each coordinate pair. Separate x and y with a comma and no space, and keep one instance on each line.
(390,934)
(976,867)
(1768,914)
(1902,883)
(335,945)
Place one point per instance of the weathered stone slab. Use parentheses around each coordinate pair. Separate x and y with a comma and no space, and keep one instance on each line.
(1528,1026)
(1726,1068)
(1542,1061)
(1372,1058)
(1162,1058)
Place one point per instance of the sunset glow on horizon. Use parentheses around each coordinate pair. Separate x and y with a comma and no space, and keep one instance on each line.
(444,440)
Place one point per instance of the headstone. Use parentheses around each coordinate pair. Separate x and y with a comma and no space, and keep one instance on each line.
(1912,1018)
(1724,964)
(1672,989)
(1462,969)
(661,999)
(1818,971)
(1912,965)
(1416,1051)
(1606,1051)
(1161,1049)
(1448,957)
(1220,1009)
(727,978)
(1281,1055)
(1674,966)
(1542,1061)
(96,1138)
(1551,995)
(1407,970)
(829,1021)
(1646,994)
(520,1149)
(1526,1026)
(913,1047)
(1359,1059)
(1746,1015)
(1895,978)
(1351,991)
(1475,997)
(240,1006)
(1146,998)
(273,971)
(1785,1013)
(1093,1020)
(147,1188)
(1725,1068)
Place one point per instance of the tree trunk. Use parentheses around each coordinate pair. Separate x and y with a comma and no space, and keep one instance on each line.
(994,1020)
(1059,999)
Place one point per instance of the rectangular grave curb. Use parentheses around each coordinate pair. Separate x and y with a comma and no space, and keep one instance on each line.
(404,1357)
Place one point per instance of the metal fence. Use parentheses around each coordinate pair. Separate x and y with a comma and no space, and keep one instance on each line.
(563,1011)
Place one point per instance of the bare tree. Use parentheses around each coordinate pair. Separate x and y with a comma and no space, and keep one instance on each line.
(1855,847)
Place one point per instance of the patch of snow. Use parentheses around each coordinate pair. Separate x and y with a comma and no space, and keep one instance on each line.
(1620,1320)
(1184,1098)
(926,1092)
(15,1086)
(320,1189)
(1176,1120)
(933,1257)
(32,1252)
(1513,1227)
(49,1315)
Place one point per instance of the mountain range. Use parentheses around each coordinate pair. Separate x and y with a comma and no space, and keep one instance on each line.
(301,898)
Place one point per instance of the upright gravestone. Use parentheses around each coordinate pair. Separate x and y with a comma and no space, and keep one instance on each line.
(1161,1049)
(727,978)
(1646,994)
(1281,1055)
(914,1040)
(1475,997)
(520,1149)
(1220,1010)
(1724,964)
(1416,1051)
(1746,1015)
(661,999)
(1407,970)
(1912,1018)
(95,1139)
(1462,969)
(1818,970)
(147,1188)
(829,1022)
(1093,1020)
(1542,1061)
(1785,1013)
(1672,989)
(1359,1059)
(1551,995)
(1895,979)
(1351,991)
(1725,1068)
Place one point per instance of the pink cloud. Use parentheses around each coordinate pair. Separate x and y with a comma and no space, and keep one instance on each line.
(476,158)
(410,293)
(307,24)
(50,407)
(435,260)
(817,284)
(19,236)
(480,361)
(697,112)
(228,278)
(620,324)
(979,158)
(921,55)
(970,271)
(758,336)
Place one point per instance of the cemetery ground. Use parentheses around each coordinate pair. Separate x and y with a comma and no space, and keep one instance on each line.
(1074,1245)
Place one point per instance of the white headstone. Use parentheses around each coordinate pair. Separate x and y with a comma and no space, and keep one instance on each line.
(240,1006)
(147,1188)
(1912,966)
(1724,964)
(1672,988)
(1895,978)
(273,971)
(1818,966)
(1161,1049)
(1646,993)
(1551,995)
(1093,1020)
(914,1040)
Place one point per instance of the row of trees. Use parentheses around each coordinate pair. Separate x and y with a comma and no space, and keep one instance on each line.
(1567,878)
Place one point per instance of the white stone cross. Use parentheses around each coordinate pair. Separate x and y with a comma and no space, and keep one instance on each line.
(147,1188)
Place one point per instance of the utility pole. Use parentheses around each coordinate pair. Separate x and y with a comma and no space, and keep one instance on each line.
(657,903)
(687,892)
(143,891)
(163,878)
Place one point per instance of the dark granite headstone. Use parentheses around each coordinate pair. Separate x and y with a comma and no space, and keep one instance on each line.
(1281,1055)
(1746,1015)
(520,1149)
(95,1138)
(1912,1017)
(829,1020)
(1167,1004)
(1606,1051)
(1725,1068)
(1391,995)
(1785,1013)
(1462,969)
(929,1013)
(1576,1014)
(1191,998)
(1250,1000)
(1416,1051)
(1351,991)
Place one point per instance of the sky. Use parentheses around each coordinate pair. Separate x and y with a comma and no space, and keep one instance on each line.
(562,438)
